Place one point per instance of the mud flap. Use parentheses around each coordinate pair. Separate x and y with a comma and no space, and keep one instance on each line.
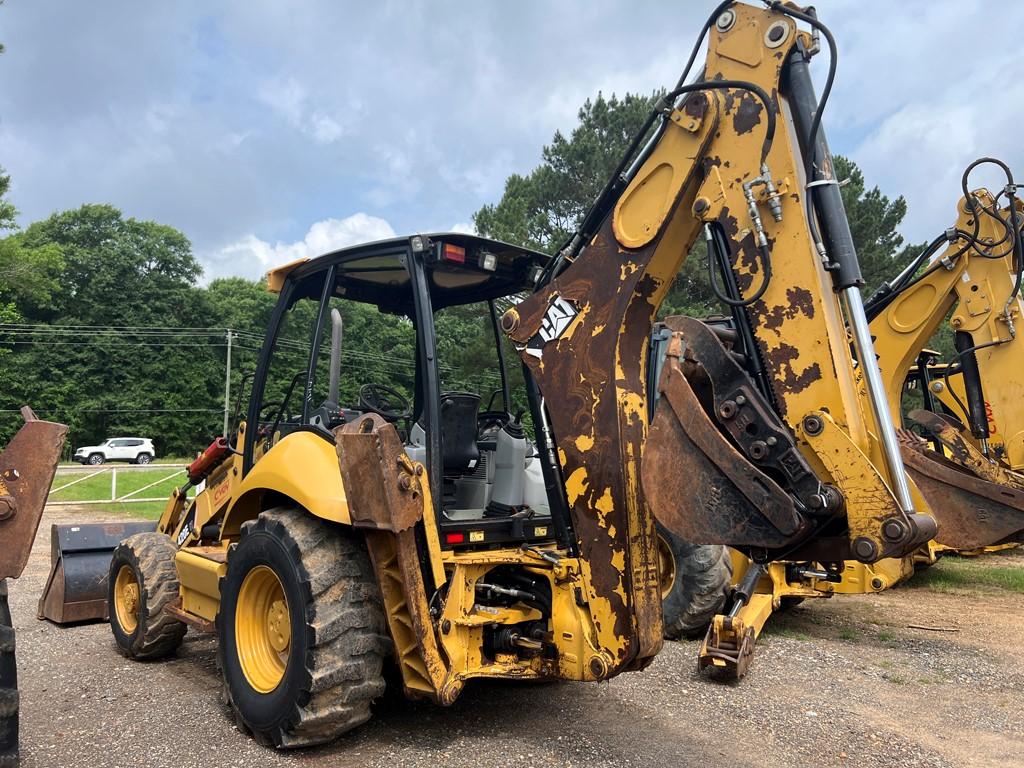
(700,487)
(27,467)
(76,589)
(972,512)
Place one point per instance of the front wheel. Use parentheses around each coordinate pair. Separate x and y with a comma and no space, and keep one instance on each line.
(695,581)
(301,628)
(142,581)
(96,458)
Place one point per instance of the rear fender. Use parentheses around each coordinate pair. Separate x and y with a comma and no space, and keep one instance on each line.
(302,467)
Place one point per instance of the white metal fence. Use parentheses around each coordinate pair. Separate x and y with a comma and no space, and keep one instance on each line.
(81,474)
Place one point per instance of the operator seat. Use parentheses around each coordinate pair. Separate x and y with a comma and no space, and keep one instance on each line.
(459,431)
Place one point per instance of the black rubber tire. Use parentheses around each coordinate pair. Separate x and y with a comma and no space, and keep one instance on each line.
(96,459)
(8,686)
(143,458)
(151,556)
(338,630)
(701,587)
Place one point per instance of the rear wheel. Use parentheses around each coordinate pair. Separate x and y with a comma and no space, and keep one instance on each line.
(8,685)
(695,582)
(142,581)
(302,630)
(143,458)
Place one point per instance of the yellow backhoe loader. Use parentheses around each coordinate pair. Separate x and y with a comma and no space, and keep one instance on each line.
(970,466)
(27,466)
(972,490)
(418,528)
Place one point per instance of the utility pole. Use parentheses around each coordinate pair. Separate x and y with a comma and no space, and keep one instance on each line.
(227,386)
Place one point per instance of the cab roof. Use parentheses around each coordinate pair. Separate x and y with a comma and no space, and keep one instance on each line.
(460,269)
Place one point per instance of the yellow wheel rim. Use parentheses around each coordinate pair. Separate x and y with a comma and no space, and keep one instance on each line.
(126,599)
(666,567)
(263,630)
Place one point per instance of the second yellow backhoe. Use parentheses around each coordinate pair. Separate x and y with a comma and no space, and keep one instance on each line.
(970,462)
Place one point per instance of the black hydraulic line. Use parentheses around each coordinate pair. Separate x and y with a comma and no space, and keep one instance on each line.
(976,417)
(825,194)
(924,377)
(886,292)
(810,17)
(718,244)
(718,254)
(1011,197)
(740,85)
(633,156)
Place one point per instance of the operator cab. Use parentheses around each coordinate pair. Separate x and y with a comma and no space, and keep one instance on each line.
(408,329)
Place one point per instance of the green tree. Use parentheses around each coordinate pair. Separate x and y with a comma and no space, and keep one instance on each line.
(542,209)
(873,221)
(123,274)
(7,210)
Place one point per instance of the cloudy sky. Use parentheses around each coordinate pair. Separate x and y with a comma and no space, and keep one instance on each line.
(267,130)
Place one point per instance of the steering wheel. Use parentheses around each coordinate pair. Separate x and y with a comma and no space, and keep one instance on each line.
(384,401)
(274,413)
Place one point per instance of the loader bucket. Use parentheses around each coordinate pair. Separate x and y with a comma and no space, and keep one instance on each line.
(972,512)
(76,589)
(27,466)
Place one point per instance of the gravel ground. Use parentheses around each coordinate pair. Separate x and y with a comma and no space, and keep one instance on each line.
(839,682)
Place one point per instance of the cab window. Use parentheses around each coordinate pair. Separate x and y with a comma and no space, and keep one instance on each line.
(283,398)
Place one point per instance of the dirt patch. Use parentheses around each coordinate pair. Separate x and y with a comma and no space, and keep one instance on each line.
(840,682)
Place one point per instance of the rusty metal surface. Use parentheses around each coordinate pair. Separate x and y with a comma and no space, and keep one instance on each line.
(202,625)
(726,649)
(971,512)
(424,671)
(962,452)
(700,487)
(739,408)
(27,467)
(383,487)
(586,361)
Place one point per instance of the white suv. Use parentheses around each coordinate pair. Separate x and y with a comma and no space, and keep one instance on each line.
(138,450)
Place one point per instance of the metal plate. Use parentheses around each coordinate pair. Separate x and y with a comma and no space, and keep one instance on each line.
(27,467)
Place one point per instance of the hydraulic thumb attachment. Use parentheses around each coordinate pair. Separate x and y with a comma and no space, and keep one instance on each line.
(720,467)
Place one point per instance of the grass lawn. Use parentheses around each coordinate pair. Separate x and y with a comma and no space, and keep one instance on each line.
(987,573)
(98,487)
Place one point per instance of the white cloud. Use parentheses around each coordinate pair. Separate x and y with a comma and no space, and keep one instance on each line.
(252,256)
(290,99)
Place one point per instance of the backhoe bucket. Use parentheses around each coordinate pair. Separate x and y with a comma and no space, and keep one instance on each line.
(80,558)
(972,512)
(699,486)
(27,467)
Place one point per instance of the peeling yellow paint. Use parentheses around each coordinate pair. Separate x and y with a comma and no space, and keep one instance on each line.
(584,443)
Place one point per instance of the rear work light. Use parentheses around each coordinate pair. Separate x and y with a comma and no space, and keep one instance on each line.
(488,261)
